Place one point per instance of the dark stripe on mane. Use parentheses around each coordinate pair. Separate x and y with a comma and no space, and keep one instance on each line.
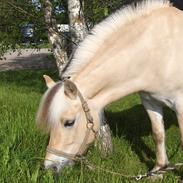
(42,118)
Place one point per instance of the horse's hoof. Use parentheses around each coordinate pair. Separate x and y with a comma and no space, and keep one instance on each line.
(162,167)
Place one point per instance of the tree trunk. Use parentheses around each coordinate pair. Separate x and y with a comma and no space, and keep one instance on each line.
(77,22)
(55,39)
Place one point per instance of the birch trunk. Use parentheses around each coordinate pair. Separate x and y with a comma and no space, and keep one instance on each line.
(55,39)
(77,22)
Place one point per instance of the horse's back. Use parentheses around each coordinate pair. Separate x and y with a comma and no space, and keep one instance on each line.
(167,40)
(165,64)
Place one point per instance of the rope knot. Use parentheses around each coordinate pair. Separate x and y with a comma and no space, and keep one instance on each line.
(85,107)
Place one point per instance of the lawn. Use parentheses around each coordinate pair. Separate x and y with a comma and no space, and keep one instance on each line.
(22,145)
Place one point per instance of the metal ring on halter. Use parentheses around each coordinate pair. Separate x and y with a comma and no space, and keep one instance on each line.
(90,125)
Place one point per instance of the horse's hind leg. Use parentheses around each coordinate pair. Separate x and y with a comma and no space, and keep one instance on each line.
(155,112)
(179,113)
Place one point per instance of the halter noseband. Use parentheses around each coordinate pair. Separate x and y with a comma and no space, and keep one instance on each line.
(89,125)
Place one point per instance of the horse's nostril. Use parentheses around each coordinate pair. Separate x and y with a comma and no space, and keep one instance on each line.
(54,168)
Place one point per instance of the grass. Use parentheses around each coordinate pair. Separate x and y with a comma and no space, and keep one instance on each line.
(22,146)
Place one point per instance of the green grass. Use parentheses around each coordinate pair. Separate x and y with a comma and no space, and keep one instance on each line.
(22,146)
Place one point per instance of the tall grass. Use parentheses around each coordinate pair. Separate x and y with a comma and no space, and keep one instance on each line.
(22,146)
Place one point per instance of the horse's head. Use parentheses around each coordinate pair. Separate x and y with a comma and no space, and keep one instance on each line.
(64,113)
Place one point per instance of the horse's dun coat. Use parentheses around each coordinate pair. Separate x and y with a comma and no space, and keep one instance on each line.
(137,49)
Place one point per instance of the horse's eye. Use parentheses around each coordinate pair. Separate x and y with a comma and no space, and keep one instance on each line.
(69,123)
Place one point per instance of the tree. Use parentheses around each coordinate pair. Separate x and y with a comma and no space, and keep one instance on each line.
(77,21)
(57,42)
(77,28)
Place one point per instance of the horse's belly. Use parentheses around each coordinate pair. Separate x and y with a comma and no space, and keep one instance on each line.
(168,101)
(163,99)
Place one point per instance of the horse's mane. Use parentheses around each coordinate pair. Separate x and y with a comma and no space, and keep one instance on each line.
(44,116)
(103,30)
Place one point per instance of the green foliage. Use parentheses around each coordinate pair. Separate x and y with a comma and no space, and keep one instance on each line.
(97,10)
(14,15)
(61,18)
(22,145)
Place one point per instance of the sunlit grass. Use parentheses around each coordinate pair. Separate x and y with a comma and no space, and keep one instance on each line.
(22,146)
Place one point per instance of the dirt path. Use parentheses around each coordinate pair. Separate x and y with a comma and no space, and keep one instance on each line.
(28,59)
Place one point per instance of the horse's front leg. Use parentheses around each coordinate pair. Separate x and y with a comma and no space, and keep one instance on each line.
(154,110)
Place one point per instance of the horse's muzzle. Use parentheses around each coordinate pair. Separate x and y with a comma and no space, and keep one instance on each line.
(57,165)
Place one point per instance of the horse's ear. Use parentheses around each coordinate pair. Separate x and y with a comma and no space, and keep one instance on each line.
(70,89)
(49,82)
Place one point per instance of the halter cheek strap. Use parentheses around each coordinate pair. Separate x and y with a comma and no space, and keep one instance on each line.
(90,128)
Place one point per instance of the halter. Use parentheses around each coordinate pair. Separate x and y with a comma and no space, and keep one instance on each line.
(90,128)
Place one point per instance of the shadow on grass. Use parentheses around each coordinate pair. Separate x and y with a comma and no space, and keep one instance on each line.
(134,124)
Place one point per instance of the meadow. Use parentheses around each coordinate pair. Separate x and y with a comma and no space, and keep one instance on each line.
(22,145)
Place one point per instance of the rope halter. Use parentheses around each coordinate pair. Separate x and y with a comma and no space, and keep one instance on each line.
(90,128)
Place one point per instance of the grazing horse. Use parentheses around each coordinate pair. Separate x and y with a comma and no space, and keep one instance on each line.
(137,49)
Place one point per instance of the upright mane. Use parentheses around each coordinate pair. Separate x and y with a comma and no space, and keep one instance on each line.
(103,30)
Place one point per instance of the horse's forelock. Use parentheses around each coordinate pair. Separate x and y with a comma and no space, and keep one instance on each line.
(44,107)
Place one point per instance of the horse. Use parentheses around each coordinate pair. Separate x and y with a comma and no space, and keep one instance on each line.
(137,49)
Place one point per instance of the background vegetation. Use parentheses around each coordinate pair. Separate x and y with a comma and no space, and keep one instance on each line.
(16,13)
(22,145)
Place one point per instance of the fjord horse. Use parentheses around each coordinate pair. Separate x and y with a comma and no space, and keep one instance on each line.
(137,49)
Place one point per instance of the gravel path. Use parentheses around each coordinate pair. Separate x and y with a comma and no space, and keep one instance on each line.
(28,59)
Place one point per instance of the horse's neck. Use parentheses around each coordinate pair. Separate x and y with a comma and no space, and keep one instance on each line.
(115,70)
(107,82)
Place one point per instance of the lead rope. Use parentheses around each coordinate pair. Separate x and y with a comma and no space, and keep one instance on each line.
(135,177)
